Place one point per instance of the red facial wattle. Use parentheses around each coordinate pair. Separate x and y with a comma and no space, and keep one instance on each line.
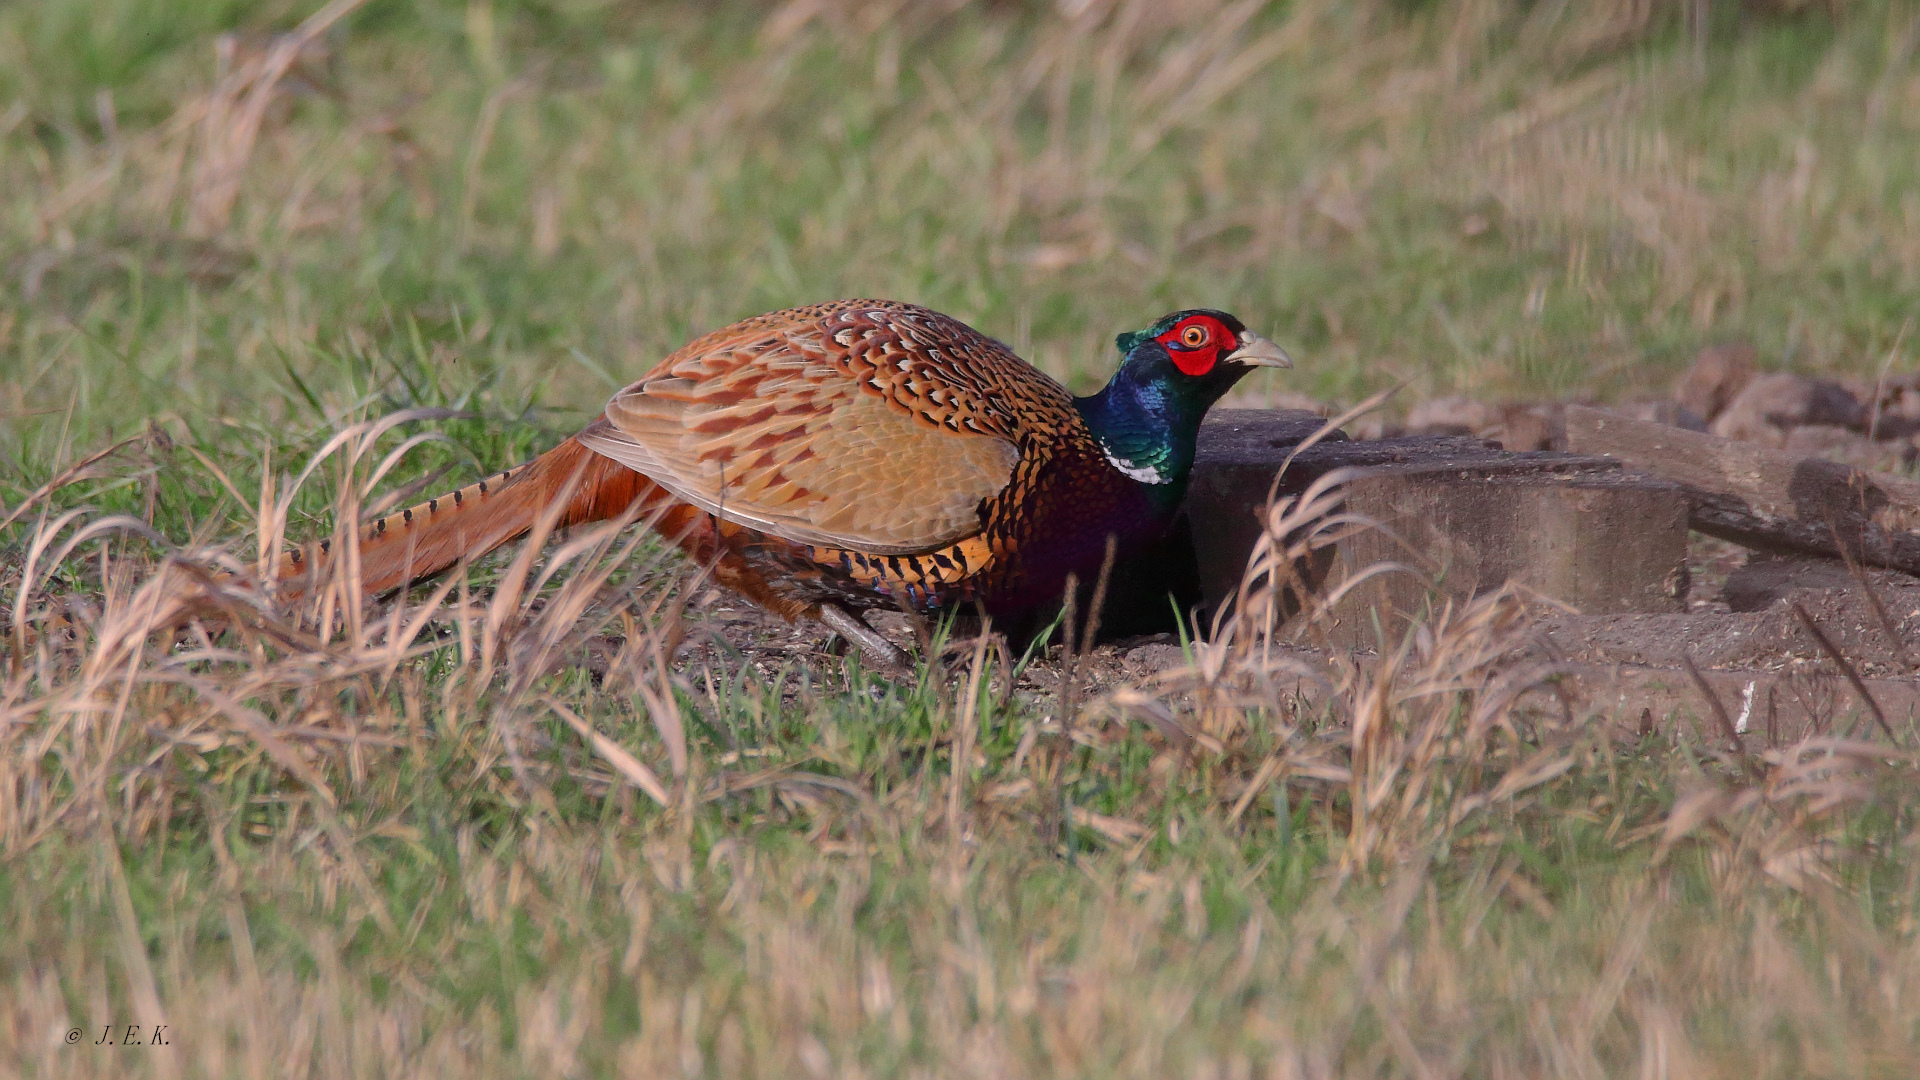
(1195,343)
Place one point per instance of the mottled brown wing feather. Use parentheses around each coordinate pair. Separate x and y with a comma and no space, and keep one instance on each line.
(868,425)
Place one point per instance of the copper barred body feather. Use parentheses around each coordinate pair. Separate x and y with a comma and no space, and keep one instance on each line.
(855,454)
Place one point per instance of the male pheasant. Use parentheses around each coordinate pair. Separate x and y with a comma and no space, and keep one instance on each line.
(863,454)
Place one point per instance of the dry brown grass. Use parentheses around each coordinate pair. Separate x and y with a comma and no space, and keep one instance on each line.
(192,650)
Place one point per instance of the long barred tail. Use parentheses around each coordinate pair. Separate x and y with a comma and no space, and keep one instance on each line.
(422,540)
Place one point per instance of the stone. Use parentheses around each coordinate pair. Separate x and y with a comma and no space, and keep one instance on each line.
(1719,372)
(1596,539)
(1574,528)
(1239,453)
(1155,656)
(1835,404)
(1772,405)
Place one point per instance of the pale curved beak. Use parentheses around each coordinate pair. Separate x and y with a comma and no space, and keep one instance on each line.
(1256,351)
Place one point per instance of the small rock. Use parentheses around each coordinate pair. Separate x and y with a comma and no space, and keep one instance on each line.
(1154,657)
(1835,404)
(1718,374)
(1451,416)
(1771,405)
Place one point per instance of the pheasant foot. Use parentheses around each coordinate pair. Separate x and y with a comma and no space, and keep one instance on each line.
(877,648)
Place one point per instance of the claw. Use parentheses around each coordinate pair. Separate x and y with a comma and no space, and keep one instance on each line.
(877,648)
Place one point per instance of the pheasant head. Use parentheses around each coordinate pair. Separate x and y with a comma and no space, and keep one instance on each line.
(1148,417)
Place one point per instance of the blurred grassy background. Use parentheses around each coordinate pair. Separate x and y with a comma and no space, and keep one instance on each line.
(541,199)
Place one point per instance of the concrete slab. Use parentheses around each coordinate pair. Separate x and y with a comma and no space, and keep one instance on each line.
(1576,528)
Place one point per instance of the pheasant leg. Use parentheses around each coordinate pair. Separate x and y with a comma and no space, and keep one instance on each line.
(879,649)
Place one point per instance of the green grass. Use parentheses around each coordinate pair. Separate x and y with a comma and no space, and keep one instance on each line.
(510,210)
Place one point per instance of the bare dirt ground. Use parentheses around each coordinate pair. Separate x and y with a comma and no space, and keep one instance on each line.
(727,633)
(1741,621)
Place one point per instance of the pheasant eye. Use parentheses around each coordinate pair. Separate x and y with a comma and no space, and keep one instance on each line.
(1193,336)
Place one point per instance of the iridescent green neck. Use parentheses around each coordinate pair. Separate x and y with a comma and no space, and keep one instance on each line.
(1147,421)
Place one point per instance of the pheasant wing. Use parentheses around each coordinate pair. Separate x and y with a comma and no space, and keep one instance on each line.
(869,425)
